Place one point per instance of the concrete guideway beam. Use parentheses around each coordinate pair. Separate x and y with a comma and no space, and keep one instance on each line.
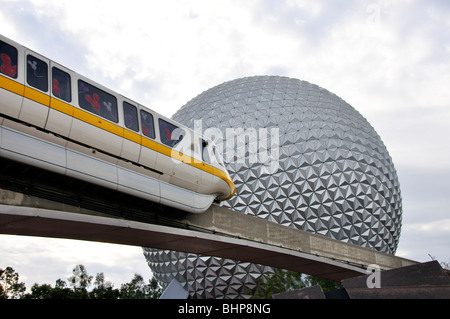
(223,220)
(218,232)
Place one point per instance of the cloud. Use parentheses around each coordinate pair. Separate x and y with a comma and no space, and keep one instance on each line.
(425,194)
(388,59)
(44,260)
(376,49)
(425,225)
(174,46)
(433,228)
(423,239)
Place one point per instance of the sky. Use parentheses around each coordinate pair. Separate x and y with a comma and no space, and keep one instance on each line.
(390,60)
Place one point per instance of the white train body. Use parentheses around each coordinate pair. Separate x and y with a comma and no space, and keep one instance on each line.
(56,119)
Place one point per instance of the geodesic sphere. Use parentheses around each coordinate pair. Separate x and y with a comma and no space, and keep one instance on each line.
(334,176)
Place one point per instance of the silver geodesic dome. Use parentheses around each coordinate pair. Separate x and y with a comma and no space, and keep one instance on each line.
(334,177)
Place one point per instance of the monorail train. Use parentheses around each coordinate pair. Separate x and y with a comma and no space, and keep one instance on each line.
(58,120)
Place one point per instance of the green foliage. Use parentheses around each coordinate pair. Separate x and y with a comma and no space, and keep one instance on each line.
(104,290)
(283,280)
(326,285)
(10,287)
(79,282)
(80,279)
(278,282)
(137,289)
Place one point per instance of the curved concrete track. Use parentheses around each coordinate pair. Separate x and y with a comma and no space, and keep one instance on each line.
(218,232)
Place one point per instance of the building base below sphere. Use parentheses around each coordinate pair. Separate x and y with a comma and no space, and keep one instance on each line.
(175,291)
(420,281)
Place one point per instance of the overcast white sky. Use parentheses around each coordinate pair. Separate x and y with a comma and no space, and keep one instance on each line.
(388,59)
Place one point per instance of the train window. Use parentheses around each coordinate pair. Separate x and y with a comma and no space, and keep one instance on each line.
(170,134)
(97,101)
(8,60)
(148,128)
(37,73)
(61,85)
(130,116)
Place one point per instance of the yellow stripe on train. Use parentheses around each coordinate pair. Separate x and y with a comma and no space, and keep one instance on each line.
(99,122)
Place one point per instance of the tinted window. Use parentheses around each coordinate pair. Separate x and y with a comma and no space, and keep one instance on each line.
(8,60)
(37,73)
(97,101)
(61,85)
(130,116)
(205,153)
(217,157)
(148,128)
(170,134)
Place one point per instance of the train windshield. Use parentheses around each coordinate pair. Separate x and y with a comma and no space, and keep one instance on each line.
(170,134)
(217,156)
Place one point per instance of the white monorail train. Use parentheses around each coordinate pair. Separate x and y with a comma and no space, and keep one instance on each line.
(56,119)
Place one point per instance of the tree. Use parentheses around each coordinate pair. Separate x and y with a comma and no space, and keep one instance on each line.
(154,289)
(80,281)
(278,282)
(10,287)
(102,289)
(283,280)
(325,284)
(137,289)
(44,291)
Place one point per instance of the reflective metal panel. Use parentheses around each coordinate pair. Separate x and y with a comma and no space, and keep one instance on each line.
(333,175)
